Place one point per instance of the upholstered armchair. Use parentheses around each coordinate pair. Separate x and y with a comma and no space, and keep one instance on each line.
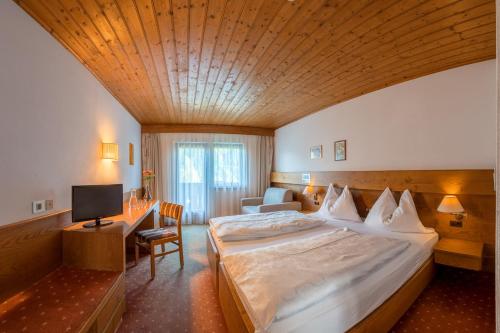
(274,199)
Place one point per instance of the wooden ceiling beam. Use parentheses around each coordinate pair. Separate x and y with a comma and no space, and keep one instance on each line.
(193,128)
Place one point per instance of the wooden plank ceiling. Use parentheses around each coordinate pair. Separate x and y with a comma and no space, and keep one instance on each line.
(261,63)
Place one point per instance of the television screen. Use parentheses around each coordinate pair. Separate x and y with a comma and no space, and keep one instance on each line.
(93,202)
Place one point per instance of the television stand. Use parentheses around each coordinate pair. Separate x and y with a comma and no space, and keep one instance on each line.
(97,223)
(103,249)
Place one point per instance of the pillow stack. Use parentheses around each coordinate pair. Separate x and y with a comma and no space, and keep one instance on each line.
(385,214)
(339,207)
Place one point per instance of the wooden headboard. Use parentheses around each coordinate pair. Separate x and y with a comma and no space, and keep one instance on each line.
(474,188)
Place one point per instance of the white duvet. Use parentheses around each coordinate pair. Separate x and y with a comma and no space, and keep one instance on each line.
(278,281)
(262,225)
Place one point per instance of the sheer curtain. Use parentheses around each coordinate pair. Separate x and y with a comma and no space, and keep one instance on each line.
(210,173)
(151,160)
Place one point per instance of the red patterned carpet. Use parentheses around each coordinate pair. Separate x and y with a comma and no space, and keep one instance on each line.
(176,300)
(456,301)
(185,301)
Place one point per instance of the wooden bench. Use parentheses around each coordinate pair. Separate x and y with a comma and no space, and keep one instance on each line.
(67,300)
(56,276)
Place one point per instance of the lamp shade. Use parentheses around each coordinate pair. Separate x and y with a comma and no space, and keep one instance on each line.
(109,151)
(309,190)
(450,204)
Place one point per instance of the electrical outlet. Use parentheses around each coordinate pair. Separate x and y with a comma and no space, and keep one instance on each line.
(38,206)
(456,224)
(49,204)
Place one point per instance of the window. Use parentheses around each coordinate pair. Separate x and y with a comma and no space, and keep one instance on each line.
(229,165)
(221,165)
(208,175)
(191,163)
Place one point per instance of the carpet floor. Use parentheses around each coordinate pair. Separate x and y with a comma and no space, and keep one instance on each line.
(185,300)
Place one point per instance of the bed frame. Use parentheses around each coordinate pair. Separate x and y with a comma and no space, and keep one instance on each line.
(380,320)
(474,188)
(213,259)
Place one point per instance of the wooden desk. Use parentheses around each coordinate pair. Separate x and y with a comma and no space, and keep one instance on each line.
(105,248)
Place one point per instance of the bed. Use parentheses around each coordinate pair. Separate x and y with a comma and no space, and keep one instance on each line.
(385,295)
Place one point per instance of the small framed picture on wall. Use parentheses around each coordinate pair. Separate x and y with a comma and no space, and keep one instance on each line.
(131,154)
(340,150)
(316,152)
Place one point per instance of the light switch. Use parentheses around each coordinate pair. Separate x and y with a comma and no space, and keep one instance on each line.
(38,206)
(49,204)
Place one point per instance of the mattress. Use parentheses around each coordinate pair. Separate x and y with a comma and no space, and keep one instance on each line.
(343,309)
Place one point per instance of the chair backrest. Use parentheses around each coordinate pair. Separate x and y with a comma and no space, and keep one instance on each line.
(172,210)
(275,195)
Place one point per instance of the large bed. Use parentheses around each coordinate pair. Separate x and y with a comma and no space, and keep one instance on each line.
(371,304)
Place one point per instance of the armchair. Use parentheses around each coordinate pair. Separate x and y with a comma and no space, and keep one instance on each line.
(275,199)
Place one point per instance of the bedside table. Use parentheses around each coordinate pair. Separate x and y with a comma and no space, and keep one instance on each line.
(459,253)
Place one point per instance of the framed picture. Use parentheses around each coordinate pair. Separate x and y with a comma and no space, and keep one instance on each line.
(131,154)
(340,150)
(316,152)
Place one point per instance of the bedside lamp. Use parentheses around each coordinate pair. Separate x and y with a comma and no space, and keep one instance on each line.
(451,205)
(109,151)
(310,192)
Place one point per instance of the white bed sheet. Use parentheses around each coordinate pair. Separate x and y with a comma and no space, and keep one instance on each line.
(343,309)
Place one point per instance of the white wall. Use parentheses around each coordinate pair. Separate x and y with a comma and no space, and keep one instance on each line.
(54,115)
(440,121)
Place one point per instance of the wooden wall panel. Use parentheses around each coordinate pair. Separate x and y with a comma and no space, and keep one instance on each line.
(474,188)
(261,63)
(32,248)
(29,250)
(477,182)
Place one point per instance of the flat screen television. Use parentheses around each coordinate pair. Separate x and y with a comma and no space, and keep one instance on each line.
(94,202)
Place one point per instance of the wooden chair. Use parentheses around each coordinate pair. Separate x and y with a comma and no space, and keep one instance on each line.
(149,238)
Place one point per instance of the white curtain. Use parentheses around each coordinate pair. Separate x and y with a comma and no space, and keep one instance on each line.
(209,173)
(151,160)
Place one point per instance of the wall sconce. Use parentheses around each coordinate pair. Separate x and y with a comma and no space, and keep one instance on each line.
(109,151)
(309,192)
(451,205)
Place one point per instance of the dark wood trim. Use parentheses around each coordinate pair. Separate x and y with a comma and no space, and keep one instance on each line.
(192,128)
(36,218)
(52,213)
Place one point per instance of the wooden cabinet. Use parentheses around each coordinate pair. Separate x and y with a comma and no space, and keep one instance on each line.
(459,253)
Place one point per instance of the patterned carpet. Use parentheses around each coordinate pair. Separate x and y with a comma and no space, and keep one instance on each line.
(185,301)
(176,300)
(456,301)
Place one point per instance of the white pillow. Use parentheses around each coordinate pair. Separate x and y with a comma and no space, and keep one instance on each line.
(344,208)
(382,210)
(330,198)
(405,217)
